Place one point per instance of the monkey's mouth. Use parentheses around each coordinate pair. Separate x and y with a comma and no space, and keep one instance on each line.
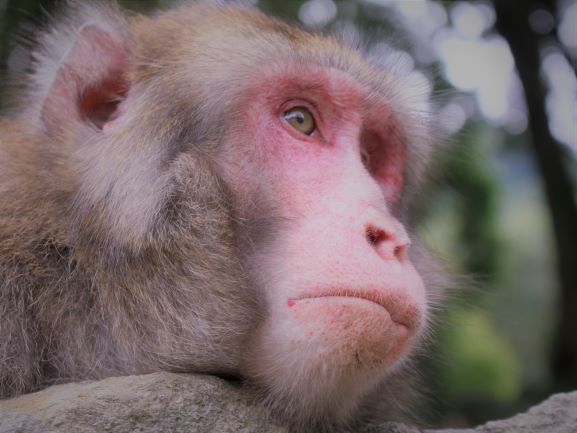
(402,310)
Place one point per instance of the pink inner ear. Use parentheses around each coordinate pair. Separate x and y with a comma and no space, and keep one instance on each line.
(90,82)
(99,102)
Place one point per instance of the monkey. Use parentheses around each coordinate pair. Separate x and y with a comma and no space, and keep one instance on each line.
(213,190)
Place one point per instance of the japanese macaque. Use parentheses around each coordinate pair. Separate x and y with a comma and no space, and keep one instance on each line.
(212,190)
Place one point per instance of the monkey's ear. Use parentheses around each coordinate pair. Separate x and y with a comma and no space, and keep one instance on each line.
(88,69)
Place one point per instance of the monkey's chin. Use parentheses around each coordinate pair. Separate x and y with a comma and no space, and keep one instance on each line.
(323,355)
(346,332)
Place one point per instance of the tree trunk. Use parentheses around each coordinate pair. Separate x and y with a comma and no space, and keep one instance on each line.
(513,23)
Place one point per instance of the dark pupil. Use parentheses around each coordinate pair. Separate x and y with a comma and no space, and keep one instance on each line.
(300,117)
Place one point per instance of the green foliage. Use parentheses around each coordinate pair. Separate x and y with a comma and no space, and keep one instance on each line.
(480,362)
(286,9)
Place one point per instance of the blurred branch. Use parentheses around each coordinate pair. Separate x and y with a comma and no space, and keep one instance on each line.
(513,23)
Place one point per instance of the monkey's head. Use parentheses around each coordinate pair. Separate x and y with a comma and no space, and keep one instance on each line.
(252,179)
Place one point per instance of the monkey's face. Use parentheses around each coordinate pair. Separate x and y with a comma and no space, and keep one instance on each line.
(343,300)
(148,116)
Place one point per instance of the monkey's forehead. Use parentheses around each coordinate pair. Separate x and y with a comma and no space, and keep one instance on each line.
(219,39)
(223,46)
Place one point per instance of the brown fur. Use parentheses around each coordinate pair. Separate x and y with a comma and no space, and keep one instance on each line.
(125,255)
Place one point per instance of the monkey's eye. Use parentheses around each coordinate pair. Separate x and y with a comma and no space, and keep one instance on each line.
(366,158)
(301,119)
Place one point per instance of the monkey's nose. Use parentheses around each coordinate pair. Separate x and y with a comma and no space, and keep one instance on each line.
(385,234)
(389,244)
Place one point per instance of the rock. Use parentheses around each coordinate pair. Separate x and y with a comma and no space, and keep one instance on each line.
(160,402)
(166,402)
(557,414)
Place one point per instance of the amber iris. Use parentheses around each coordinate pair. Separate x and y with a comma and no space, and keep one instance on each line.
(301,119)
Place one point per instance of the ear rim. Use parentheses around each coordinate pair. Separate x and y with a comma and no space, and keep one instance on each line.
(90,82)
(56,41)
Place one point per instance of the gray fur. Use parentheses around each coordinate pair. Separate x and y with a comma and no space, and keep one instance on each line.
(127,254)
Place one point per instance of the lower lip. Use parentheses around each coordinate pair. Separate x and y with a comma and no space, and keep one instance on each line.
(292,302)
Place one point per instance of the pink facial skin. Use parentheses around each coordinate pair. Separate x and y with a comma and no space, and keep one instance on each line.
(344,300)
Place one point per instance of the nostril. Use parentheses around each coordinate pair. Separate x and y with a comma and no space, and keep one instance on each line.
(375,236)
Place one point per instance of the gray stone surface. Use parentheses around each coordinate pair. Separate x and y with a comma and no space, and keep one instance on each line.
(165,402)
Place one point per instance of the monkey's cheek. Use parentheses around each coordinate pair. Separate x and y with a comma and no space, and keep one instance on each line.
(348,332)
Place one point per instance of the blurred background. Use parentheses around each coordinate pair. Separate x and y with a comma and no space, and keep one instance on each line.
(503,207)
